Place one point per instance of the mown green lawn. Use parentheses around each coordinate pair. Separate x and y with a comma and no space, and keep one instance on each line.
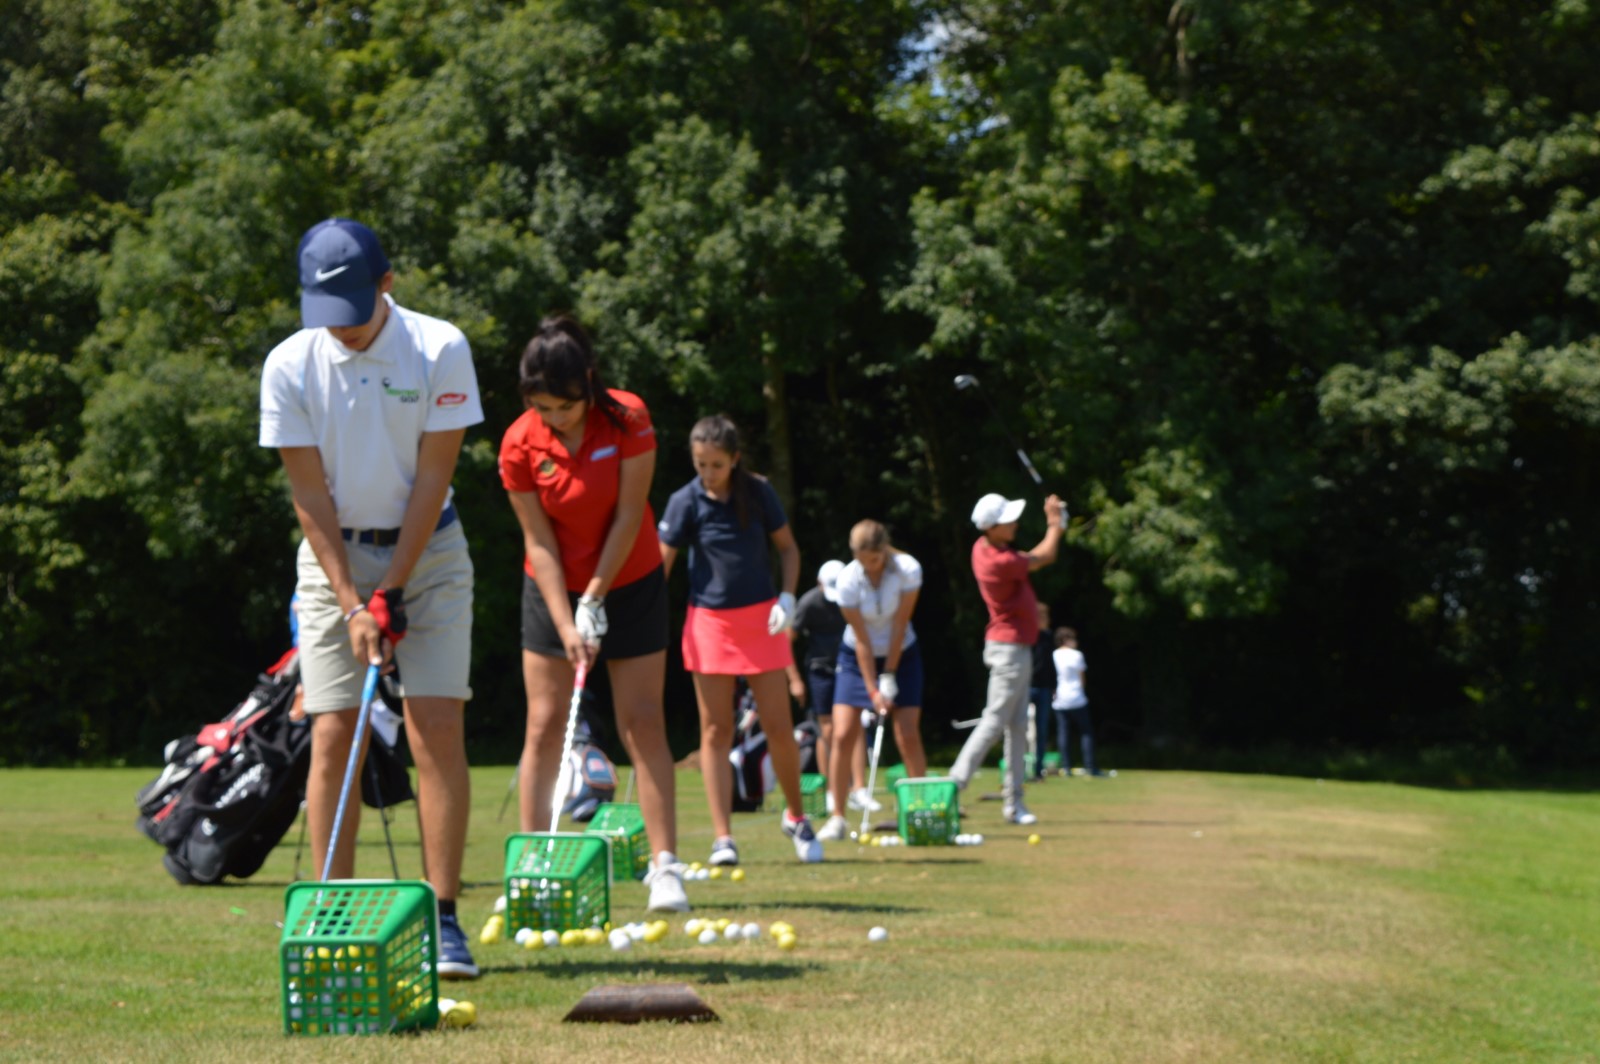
(1164,916)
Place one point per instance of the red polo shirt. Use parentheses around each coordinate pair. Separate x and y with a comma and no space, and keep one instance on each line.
(1002,574)
(579,491)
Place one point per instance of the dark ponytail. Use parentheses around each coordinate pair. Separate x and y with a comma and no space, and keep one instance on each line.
(559,361)
(720,432)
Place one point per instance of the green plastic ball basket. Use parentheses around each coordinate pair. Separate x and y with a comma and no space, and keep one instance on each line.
(557,881)
(358,957)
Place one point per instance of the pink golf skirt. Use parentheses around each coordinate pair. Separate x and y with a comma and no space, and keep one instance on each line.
(734,642)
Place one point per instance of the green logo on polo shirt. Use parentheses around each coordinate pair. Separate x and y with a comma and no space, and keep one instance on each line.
(405,395)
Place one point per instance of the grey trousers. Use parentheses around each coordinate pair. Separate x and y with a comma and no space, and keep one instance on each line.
(1005,714)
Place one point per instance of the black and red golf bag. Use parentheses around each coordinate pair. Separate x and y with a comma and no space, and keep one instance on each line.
(229,792)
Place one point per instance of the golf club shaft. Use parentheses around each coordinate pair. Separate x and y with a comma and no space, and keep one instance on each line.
(872,772)
(369,691)
(1022,455)
(511,789)
(566,743)
(965,381)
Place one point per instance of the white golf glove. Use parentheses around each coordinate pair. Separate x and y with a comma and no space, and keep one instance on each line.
(782,614)
(888,687)
(591,619)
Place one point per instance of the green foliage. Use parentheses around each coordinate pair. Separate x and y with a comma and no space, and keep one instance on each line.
(1296,305)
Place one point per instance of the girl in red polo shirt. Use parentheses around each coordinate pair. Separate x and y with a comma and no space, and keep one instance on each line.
(577,466)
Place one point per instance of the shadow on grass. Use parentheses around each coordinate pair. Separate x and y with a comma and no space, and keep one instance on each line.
(707,972)
(945,862)
(1111,822)
(833,906)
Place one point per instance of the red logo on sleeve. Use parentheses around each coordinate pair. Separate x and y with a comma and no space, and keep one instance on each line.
(451,399)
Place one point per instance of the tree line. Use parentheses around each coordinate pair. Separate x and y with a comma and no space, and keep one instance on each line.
(1295,305)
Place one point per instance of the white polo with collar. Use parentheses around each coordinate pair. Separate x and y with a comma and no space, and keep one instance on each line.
(366,411)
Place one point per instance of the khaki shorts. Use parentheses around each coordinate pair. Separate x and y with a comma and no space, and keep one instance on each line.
(435,657)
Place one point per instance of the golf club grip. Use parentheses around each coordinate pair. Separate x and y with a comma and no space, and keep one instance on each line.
(369,691)
(578,681)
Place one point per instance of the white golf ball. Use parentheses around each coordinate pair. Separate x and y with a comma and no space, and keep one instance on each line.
(635,931)
(620,941)
(708,936)
(752,930)
(977,840)
(552,937)
(733,932)
(524,935)
(878,934)
(500,904)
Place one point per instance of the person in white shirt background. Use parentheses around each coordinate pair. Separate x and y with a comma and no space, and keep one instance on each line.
(1071,701)
(880,661)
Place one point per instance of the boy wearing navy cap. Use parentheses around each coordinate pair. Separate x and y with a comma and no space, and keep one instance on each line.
(367,406)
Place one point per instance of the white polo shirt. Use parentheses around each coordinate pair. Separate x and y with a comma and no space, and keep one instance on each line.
(878,605)
(366,411)
(1070,668)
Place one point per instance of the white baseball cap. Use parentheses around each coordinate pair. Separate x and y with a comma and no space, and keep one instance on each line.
(995,509)
(828,577)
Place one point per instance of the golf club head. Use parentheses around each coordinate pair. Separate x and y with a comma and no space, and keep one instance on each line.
(965,381)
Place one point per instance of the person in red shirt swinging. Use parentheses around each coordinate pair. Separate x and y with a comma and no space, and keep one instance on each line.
(577,466)
(1002,573)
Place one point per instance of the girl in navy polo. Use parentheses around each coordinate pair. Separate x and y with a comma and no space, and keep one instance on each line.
(737,623)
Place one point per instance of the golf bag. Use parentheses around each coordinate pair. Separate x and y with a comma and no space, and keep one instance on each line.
(590,775)
(753,777)
(228,793)
(806,735)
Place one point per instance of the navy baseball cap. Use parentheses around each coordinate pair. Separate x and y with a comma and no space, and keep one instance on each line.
(341,263)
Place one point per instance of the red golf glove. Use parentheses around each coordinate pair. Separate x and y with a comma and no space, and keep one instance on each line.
(388,608)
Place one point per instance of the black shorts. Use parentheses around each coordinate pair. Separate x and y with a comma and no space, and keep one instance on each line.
(636,619)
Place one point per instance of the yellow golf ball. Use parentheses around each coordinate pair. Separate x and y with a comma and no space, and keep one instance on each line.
(716,873)
(535,941)
(779,929)
(1033,840)
(491,932)
(788,941)
(460,1014)
(572,937)
(593,936)
(737,875)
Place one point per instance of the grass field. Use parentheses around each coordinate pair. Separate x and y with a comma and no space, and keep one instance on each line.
(1165,916)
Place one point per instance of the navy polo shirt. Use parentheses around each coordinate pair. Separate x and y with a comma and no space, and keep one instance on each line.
(729,566)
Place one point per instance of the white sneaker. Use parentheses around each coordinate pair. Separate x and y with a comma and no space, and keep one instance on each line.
(837,829)
(665,880)
(861,800)
(724,852)
(828,798)
(1018,814)
(806,846)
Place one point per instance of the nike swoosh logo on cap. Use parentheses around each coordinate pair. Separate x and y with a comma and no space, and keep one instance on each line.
(323,275)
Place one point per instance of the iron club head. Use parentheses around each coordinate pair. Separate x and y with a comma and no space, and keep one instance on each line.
(965,381)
